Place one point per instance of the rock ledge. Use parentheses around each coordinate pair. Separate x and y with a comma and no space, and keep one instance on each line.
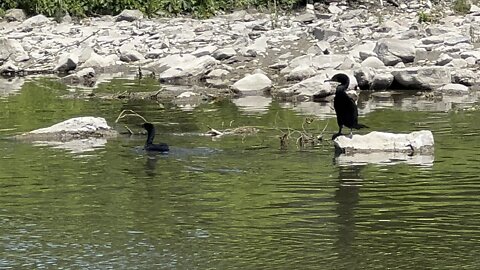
(415,142)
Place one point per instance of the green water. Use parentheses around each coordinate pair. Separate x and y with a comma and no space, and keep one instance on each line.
(234,202)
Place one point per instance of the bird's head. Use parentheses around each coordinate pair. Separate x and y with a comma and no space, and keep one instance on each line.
(147,126)
(340,78)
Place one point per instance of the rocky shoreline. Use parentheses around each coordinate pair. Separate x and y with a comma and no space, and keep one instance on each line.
(288,57)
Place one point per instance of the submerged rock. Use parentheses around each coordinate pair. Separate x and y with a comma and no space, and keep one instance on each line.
(74,128)
(415,142)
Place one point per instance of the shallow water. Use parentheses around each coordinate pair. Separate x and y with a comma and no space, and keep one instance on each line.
(236,202)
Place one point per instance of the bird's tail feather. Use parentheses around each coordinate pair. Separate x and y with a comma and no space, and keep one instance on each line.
(359,126)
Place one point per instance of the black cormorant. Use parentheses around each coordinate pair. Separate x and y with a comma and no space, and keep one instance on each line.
(345,107)
(149,145)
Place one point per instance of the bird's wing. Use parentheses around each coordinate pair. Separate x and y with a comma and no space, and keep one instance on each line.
(355,109)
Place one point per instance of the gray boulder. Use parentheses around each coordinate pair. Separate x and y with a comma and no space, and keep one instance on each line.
(454,88)
(98,61)
(257,82)
(323,34)
(35,21)
(173,60)
(12,49)
(207,50)
(224,53)
(393,51)
(66,63)
(466,77)
(300,73)
(129,15)
(191,70)
(308,89)
(443,59)
(415,142)
(15,15)
(372,62)
(422,77)
(381,81)
(74,128)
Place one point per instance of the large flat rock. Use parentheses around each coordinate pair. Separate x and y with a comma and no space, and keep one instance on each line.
(74,128)
(412,143)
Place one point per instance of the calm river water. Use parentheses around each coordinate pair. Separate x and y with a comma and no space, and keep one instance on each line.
(237,202)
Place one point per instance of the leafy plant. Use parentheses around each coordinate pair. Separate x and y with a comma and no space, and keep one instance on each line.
(424,17)
(461,6)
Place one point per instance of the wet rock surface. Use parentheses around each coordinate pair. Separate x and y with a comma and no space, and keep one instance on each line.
(243,54)
(74,128)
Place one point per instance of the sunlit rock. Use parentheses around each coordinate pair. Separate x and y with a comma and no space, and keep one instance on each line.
(393,51)
(415,142)
(224,53)
(189,70)
(12,49)
(129,15)
(74,128)
(301,73)
(422,77)
(36,21)
(454,88)
(15,14)
(257,82)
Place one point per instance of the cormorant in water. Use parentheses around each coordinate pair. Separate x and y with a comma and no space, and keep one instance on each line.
(149,145)
(345,107)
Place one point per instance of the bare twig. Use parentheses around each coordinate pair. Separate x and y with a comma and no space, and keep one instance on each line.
(126,113)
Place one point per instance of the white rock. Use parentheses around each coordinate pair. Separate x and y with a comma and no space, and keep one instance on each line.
(252,83)
(301,73)
(373,62)
(34,21)
(422,77)
(12,49)
(454,88)
(224,53)
(162,64)
(88,125)
(308,88)
(217,73)
(189,70)
(457,63)
(207,50)
(393,51)
(415,142)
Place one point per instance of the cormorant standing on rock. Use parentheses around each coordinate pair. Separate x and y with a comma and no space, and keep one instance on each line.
(149,145)
(345,107)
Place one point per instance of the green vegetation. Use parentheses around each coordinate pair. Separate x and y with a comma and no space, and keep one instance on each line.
(424,17)
(198,8)
(461,6)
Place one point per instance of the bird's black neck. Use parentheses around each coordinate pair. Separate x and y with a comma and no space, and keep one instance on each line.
(342,88)
(150,136)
